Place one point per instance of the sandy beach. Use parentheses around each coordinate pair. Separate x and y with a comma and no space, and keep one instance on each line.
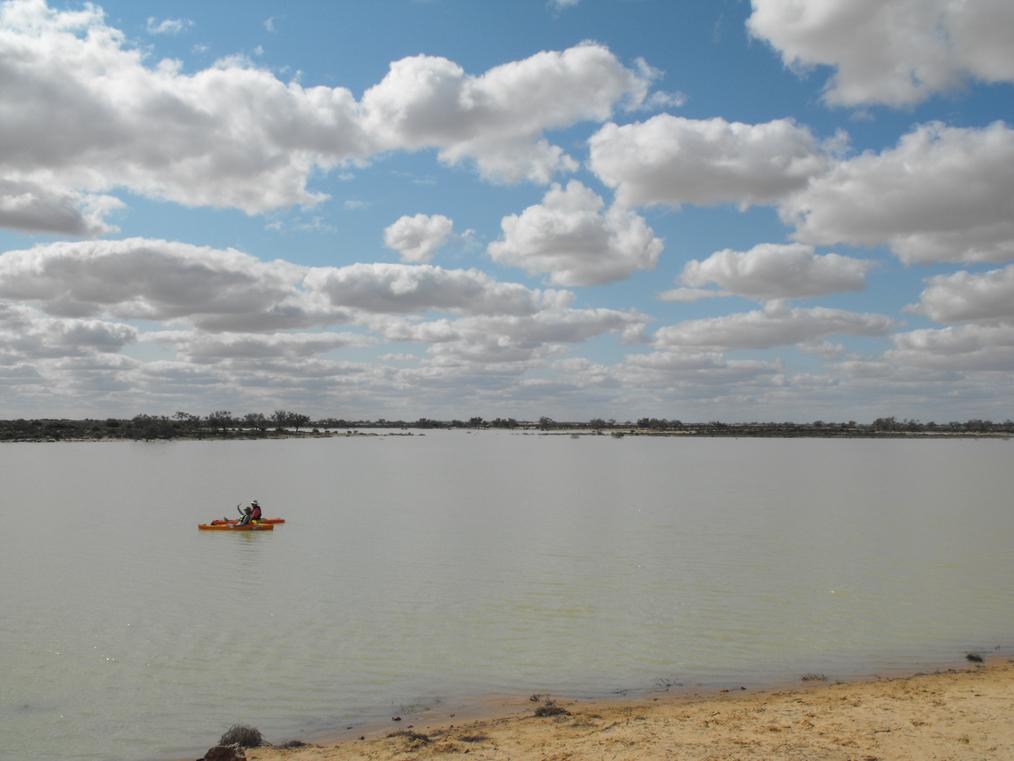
(956,715)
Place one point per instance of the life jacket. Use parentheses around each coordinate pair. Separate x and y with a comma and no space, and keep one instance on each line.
(255,515)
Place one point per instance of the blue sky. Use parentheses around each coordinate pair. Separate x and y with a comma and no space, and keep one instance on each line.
(694,210)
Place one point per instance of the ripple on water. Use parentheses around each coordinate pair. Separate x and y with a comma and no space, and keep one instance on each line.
(418,569)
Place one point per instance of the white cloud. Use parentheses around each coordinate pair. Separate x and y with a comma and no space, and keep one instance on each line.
(84,112)
(28,334)
(417,238)
(823,348)
(559,5)
(138,278)
(172,26)
(965,296)
(570,237)
(661,99)
(232,329)
(227,290)
(31,207)
(777,271)
(513,338)
(692,369)
(966,348)
(672,160)
(896,52)
(693,294)
(496,118)
(775,325)
(943,194)
(204,348)
(403,288)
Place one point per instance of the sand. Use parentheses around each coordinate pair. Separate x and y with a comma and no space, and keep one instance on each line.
(955,715)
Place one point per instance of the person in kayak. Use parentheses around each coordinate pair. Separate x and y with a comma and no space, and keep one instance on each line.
(250,513)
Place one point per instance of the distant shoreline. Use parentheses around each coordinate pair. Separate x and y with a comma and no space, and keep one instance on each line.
(618,433)
(283,424)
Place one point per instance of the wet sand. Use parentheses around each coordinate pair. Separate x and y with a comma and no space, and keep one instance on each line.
(960,714)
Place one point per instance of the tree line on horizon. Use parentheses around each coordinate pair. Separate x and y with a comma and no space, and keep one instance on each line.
(223,424)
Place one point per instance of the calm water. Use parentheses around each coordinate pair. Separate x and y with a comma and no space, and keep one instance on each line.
(434,568)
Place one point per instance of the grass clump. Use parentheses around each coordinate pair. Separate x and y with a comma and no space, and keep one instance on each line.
(242,735)
(414,738)
(549,708)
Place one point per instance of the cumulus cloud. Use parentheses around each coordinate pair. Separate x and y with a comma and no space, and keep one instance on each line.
(776,271)
(896,52)
(514,338)
(775,325)
(212,348)
(226,290)
(233,329)
(963,348)
(28,334)
(672,160)
(943,194)
(477,333)
(138,278)
(572,239)
(402,288)
(965,296)
(497,118)
(692,368)
(417,238)
(33,208)
(81,111)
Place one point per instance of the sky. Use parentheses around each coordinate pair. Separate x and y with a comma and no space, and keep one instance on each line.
(697,210)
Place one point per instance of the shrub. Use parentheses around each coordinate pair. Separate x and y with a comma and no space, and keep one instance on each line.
(415,738)
(549,708)
(244,736)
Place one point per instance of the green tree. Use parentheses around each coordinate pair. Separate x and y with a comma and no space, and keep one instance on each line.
(256,420)
(221,419)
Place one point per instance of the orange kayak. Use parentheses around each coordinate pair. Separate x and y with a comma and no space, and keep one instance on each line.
(236,527)
(223,521)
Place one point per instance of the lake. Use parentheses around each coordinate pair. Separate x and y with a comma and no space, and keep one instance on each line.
(455,565)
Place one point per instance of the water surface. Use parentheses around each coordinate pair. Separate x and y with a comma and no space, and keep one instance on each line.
(438,567)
